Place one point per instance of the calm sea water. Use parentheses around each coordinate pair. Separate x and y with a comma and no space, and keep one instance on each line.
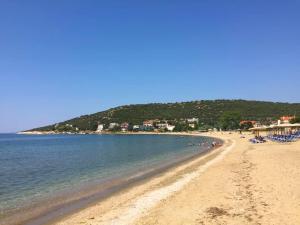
(36,167)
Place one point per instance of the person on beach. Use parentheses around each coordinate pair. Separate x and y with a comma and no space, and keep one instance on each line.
(213,144)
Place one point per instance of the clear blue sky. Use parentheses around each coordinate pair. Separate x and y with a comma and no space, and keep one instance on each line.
(60,59)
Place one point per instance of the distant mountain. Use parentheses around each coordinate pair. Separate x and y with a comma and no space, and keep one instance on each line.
(208,112)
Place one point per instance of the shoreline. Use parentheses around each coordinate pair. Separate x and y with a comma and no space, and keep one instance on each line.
(111,133)
(56,212)
(245,184)
(166,176)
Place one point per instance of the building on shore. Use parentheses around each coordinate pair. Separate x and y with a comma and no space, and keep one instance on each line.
(192,120)
(124,126)
(170,127)
(285,119)
(136,127)
(162,125)
(100,128)
(146,128)
(148,123)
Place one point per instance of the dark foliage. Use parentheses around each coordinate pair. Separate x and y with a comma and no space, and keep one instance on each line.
(295,120)
(230,120)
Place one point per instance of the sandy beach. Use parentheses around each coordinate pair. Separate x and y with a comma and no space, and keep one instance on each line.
(239,183)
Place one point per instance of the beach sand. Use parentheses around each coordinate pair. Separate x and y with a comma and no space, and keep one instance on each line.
(239,183)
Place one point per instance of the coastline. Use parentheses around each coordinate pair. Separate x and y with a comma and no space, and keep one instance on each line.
(242,183)
(144,186)
(110,132)
(57,208)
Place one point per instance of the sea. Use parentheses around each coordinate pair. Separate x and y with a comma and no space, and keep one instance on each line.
(39,170)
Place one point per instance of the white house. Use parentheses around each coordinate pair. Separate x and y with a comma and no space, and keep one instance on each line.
(100,128)
(192,120)
(136,127)
(170,127)
(162,125)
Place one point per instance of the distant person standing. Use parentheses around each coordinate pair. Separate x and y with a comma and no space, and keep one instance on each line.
(213,144)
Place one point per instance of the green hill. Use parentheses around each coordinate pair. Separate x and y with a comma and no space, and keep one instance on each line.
(208,112)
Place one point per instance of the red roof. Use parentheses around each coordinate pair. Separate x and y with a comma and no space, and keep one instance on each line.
(285,118)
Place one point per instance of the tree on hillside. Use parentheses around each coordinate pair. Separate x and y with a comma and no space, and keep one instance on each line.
(230,120)
(181,127)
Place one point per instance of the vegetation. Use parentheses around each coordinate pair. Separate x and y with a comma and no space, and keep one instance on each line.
(230,120)
(181,127)
(295,120)
(217,113)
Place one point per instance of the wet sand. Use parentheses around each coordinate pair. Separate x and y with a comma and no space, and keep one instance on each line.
(239,183)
